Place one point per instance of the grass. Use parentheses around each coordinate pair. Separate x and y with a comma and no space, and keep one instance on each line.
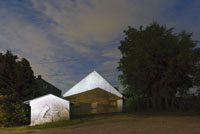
(178,113)
(85,118)
(55,124)
(73,121)
(89,116)
(48,125)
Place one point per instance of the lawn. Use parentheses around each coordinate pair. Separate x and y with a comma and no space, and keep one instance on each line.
(123,123)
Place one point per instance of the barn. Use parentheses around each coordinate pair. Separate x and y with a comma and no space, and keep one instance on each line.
(93,95)
(48,108)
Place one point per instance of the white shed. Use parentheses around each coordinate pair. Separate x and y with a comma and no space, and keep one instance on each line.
(48,108)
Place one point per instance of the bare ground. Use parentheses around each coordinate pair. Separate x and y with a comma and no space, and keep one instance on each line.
(124,124)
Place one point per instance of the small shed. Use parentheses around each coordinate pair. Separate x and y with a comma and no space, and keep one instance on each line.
(93,95)
(48,108)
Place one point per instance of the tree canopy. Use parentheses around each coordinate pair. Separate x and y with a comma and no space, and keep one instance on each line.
(157,64)
(17,84)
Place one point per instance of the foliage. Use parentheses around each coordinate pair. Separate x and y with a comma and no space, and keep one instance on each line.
(129,104)
(189,103)
(17,84)
(156,64)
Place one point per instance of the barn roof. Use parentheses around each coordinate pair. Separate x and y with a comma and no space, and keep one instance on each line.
(92,81)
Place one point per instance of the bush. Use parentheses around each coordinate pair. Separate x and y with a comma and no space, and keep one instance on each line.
(190,104)
(13,113)
(129,104)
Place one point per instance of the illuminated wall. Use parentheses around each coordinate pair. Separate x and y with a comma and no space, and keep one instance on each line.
(49,108)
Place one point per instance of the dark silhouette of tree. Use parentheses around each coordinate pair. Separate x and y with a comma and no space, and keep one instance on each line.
(17,84)
(157,64)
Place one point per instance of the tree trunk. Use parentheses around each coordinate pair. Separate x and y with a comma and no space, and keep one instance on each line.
(138,105)
(159,106)
(147,104)
(153,101)
(172,103)
(166,103)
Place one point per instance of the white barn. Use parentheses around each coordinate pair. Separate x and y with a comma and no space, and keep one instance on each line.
(48,108)
(94,94)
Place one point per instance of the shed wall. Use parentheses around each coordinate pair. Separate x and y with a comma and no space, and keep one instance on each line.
(49,109)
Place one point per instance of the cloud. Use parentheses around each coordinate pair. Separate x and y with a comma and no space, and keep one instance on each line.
(111,63)
(23,37)
(113,53)
(95,21)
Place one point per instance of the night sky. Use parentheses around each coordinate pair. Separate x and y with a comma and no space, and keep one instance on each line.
(64,40)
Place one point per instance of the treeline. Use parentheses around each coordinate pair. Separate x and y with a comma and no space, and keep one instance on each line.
(17,84)
(158,68)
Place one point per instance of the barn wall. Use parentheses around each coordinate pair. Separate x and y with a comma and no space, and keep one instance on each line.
(95,95)
(119,105)
(91,108)
(49,109)
(94,101)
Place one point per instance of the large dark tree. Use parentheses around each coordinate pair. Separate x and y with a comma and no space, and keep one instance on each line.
(157,64)
(17,84)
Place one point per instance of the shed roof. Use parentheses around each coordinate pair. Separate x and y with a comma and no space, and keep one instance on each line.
(92,81)
(28,101)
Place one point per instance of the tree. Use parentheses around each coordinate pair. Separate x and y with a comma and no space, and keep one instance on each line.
(17,84)
(156,64)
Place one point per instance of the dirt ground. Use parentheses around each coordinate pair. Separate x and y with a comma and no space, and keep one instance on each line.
(124,124)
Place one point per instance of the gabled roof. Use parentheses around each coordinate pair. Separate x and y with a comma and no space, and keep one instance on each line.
(28,101)
(90,82)
(44,87)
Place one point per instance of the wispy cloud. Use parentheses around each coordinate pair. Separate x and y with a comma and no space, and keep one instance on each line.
(95,21)
(24,38)
(113,53)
